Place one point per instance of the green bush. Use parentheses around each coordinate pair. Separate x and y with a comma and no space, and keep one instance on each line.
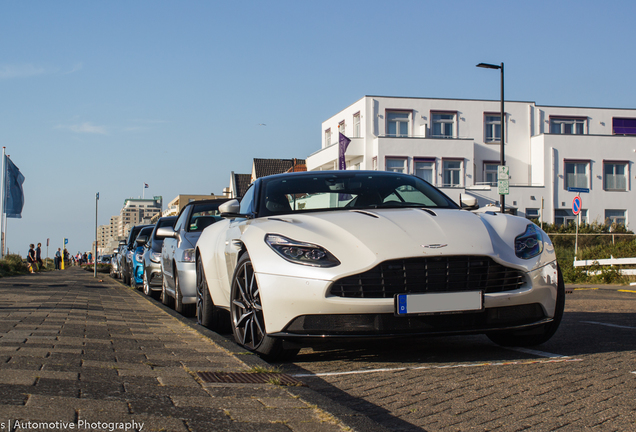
(13,265)
(600,246)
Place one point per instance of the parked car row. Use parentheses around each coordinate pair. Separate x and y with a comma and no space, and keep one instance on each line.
(159,258)
(357,254)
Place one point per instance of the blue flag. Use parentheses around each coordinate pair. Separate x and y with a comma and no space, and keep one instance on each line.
(14,198)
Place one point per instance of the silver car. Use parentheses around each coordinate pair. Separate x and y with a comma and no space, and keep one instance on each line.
(153,277)
(177,253)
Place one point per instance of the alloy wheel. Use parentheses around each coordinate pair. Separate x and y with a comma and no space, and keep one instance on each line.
(246,309)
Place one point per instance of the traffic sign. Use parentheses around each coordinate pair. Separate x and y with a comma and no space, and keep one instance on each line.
(578,190)
(577,203)
(503,179)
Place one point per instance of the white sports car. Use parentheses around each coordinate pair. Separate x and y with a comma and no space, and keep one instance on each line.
(349,254)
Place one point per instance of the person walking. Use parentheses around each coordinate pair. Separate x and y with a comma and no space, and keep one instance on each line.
(31,257)
(38,256)
(58,259)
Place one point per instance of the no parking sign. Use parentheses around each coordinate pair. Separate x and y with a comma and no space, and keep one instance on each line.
(576,205)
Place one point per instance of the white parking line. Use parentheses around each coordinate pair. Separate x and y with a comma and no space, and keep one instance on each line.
(536,353)
(458,366)
(609,325)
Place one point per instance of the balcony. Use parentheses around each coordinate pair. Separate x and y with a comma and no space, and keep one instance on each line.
(328,156)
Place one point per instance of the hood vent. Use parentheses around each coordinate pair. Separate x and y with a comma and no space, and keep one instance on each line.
(429,211)
(367,214)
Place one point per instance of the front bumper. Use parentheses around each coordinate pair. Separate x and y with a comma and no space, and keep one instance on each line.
(295,307)
(186,272)
(155,276)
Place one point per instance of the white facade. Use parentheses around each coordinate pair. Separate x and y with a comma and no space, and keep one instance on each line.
(455,145)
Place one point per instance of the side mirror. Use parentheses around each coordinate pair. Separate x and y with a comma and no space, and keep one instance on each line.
(165,232)
(230,209)
(122,242)
(141,240)
(468,202)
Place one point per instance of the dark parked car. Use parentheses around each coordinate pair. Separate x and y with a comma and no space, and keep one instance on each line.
(126,252)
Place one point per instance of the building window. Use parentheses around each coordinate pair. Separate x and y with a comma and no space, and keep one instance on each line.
(532,213)
(341,127)
(327,137)
(356,125)
(566,216)
(443,125)
(624,126)
(615,217)
(615,176)
(452,173)
(398,123)
(424,169)
(567,125)
(396,165)
(490,173)
(576,175)
(492,127)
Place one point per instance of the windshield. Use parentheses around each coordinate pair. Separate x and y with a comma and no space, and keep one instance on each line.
(204,215)
(346,190)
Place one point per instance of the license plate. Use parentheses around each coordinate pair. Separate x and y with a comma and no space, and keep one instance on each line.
(430,303)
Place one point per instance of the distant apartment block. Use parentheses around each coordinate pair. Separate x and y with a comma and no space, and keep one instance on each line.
(454,144)
(135,211)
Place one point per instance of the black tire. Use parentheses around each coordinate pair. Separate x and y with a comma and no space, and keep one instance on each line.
(247,318)
(207,314)
(537,335)
(165,298)
(186,310)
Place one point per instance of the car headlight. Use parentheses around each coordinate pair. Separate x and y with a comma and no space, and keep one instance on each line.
(155,256)
(301,253)
(139,256)
(529,244)
(188,255)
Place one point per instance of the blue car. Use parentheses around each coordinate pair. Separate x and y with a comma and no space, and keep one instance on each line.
(137,279)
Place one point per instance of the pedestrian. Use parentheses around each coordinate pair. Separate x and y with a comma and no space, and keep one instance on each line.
(31,258)
(84,258)
(90,257)
(58,258)
(38,256)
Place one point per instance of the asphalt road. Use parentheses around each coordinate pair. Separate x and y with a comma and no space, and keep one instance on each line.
(583,378)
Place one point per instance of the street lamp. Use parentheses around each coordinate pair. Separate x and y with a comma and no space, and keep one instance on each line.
(502,160)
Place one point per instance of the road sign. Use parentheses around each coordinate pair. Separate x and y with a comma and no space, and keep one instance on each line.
(578,190)
(503,179)
(576,205)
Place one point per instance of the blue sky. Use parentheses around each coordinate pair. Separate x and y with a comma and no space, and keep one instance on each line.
(105,96)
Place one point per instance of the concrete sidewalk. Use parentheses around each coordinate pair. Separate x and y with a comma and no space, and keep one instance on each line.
(79,353)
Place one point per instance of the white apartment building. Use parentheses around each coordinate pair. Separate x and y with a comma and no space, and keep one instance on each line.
(136,211)
(455,143)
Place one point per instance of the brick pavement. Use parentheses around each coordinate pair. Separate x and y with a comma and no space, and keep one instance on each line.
(90,354)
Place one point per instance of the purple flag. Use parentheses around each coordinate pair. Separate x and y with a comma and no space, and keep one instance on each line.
(343,143)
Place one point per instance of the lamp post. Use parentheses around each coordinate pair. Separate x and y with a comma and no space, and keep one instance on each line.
(502,159)
(95,253)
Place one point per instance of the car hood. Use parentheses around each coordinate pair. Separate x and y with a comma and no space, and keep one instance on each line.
(363,238)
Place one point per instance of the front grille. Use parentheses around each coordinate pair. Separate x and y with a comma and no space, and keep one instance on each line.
(429,275)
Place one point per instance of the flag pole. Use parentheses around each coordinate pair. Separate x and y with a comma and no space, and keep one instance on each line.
(2,198)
